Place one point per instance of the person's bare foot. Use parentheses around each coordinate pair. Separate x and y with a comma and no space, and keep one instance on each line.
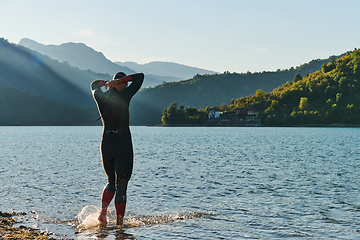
(119,220)
(102,217)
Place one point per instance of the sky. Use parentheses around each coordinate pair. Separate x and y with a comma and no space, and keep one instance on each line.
(218,35)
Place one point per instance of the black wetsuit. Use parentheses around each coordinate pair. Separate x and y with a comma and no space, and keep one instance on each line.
(116,144)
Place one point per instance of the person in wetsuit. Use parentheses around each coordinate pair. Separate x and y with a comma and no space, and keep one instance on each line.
(116,145)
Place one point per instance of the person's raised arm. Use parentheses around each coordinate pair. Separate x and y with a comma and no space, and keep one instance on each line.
(137,77)
(137,80)
(97,84)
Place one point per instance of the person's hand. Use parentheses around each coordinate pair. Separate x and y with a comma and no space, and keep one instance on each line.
(106,85)
(101,83)
(112,83)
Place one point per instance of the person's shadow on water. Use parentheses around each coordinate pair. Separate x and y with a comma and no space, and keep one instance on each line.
(119,235)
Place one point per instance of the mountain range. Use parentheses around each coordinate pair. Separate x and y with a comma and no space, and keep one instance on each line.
(166,69)
(39,89)
(84,57)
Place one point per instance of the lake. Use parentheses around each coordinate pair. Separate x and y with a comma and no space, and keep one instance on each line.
(188,183)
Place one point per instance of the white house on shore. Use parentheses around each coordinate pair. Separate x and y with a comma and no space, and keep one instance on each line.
(214,113)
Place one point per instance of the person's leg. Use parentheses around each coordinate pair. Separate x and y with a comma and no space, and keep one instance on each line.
(120,201)
(109,190)
(107,195)
(123,169)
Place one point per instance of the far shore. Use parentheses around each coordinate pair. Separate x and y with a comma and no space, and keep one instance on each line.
(333,125)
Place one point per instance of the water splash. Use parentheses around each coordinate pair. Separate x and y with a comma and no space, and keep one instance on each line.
(87,219)
(148,220)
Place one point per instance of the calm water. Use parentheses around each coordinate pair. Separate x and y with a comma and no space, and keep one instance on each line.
(189,183)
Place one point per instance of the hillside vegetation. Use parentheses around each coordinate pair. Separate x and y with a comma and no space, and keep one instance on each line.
(211,90)
(328,96)
(20,108)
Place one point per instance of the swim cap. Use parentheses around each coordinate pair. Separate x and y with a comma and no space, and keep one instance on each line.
(119,75)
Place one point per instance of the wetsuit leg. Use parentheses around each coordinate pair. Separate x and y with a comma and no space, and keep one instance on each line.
(110,189)
(123,170)
(108,193)
(108,164)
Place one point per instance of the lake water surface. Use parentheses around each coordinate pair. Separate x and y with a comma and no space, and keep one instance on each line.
(188,183)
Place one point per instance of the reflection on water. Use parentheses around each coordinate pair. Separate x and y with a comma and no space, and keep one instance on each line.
(201,183)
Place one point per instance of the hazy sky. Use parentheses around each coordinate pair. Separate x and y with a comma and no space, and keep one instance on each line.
(219,35)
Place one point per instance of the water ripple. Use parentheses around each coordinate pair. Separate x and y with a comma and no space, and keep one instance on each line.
(250,183)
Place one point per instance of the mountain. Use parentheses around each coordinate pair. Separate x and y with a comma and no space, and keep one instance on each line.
(81,56)
(36,90)
(84,57)
(166,69)
(77,55)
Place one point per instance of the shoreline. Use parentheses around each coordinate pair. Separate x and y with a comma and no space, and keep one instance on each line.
(333,125)
(8,231)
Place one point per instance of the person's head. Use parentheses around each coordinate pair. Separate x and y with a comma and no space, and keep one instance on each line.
(121,86)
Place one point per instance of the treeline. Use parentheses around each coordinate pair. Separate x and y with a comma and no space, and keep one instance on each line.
(175,114)
(328,96)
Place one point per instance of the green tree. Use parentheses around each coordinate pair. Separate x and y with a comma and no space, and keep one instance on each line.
(304,104)
(192,115)
(297,77)
(224,107)
(260,94)
(173,114)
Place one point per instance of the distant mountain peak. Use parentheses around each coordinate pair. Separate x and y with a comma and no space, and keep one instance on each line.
(84,57)
(78,55)
(163,68)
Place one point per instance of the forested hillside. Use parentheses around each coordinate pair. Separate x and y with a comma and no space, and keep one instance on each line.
(328,96)
(211,90)
(26,109)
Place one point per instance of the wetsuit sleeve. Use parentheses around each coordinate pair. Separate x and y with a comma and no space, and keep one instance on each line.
(137,80)
(97,84)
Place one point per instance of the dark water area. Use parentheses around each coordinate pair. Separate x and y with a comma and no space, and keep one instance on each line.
(188,183)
